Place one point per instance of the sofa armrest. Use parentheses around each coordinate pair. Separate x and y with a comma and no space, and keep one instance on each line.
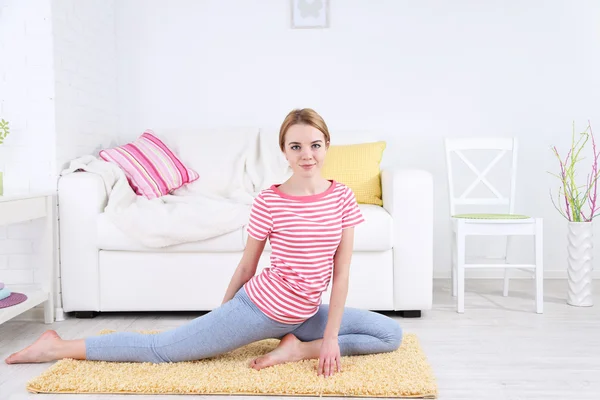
(408,197)
(81,198)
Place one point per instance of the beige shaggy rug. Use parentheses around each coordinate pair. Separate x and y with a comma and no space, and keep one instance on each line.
(403,373)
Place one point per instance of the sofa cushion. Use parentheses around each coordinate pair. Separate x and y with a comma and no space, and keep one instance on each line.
(152,168)
(109,237)
(375,234)
(357,166)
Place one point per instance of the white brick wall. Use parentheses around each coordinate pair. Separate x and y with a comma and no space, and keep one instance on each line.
(28,155)
(86,78)
(58,91)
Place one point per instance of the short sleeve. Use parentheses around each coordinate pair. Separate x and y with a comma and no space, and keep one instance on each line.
(260,223)
(351,214)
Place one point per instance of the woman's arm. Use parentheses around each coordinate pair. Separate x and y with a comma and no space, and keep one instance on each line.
(329,357)
(339,291)
(246,268)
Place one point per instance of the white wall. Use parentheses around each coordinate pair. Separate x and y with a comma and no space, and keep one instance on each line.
(27,157)
(86,79)
(414,72)
(58,90)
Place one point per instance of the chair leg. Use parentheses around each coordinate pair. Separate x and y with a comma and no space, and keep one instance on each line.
(460,269)
(506,271)
(453,264)
(454,281)
(539,267)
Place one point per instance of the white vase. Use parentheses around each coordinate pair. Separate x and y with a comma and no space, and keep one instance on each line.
(580,259)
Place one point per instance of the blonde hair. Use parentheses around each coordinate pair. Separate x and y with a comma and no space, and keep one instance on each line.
(306,116)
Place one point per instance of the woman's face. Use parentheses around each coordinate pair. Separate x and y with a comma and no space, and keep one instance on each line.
(305,149)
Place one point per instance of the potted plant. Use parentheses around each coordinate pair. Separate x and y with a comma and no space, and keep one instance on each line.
(4,131)
(578,204)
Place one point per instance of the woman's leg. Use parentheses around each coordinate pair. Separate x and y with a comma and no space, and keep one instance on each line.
(49,347)
(234,324)
(361,332)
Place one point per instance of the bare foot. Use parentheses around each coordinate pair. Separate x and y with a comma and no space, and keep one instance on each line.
(39,351)
(288,350)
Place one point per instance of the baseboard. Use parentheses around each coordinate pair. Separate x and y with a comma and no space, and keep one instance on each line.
(37,314)
(499,274)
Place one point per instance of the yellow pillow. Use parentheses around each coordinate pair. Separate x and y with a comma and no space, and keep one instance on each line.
(357,166)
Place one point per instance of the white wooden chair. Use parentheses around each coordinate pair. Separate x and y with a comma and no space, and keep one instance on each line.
(501,224)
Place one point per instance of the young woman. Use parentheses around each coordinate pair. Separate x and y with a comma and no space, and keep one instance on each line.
(310,224)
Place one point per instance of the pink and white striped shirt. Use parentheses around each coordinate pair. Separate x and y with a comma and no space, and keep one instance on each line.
(304,232)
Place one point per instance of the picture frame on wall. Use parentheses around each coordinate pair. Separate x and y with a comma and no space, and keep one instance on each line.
(310,14)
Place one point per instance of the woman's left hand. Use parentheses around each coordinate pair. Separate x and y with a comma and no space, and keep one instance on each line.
(329,358)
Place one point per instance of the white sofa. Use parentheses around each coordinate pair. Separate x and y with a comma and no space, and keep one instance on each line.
(102,269)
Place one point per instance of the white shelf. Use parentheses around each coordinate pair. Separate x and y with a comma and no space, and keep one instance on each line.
(12,196)
(19,207)
(34,298)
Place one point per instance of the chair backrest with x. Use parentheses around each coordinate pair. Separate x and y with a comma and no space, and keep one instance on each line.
(502,145)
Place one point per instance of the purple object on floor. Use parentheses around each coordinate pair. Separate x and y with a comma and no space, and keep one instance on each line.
(12,300)
(1,285)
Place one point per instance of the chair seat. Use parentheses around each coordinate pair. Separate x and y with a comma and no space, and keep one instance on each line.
(491,216)
(475,218)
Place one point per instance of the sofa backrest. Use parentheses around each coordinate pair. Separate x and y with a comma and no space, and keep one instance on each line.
(274,168)
(240,161)
(219,155)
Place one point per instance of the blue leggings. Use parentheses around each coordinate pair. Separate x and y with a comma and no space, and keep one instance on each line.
(238,323)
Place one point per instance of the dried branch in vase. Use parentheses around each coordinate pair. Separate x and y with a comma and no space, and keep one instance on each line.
(578,202)
(4,130)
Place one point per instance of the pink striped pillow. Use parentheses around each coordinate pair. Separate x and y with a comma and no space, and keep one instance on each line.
(152,169)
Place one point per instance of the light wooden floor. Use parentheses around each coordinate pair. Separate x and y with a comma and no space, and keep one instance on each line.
(498,349)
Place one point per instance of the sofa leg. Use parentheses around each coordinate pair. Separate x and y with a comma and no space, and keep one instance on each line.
(410,313)
(85,314)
